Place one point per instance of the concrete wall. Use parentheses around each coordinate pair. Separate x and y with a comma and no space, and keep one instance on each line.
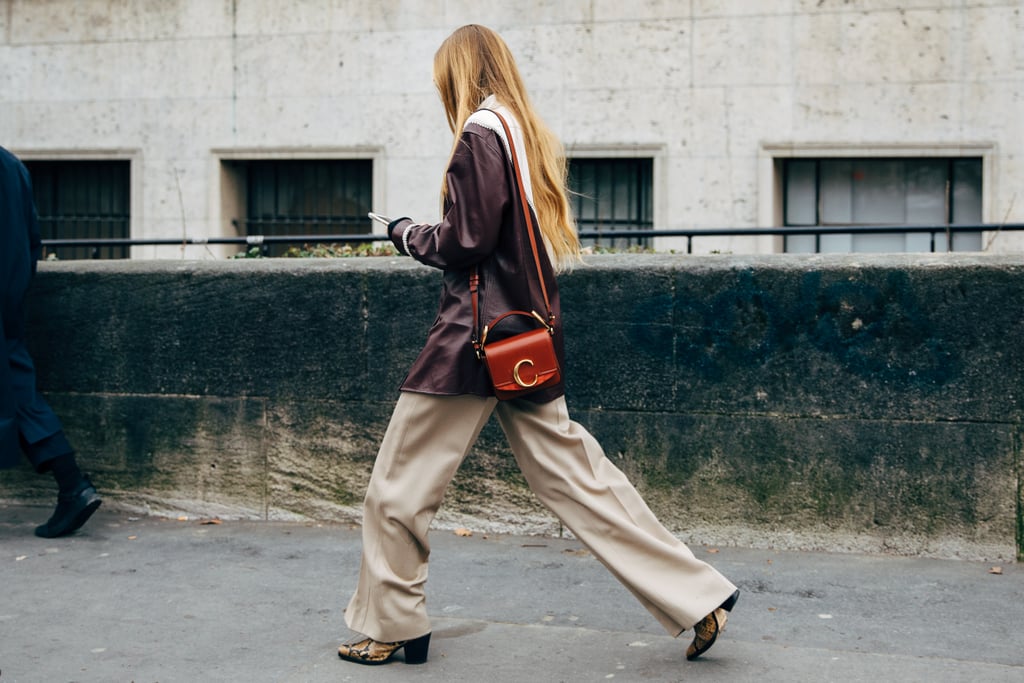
(716,91)
(826,402)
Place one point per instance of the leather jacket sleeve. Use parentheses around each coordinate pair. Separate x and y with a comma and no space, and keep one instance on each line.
(477,200)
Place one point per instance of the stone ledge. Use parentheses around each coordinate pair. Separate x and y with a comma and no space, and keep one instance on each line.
(875,398)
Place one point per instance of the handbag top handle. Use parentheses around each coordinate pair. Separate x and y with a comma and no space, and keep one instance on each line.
(474,276)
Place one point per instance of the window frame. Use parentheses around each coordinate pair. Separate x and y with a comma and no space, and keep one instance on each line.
(656,154)
(130,155)
(230,193)
(771,183)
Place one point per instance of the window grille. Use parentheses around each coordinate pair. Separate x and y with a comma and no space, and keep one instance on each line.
(307,197)
(612,194)
(79,199)
(883,192)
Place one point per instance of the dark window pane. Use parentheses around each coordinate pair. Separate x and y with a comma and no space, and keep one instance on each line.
(612,194)
(883,192)
(878,192)
(81,200)
(926,191)
(308,197)
(836,192)
(966,195)
(801,193)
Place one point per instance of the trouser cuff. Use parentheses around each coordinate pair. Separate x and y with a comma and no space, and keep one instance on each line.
(43,451)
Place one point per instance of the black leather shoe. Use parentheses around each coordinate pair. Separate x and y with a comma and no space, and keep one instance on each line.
(73,510)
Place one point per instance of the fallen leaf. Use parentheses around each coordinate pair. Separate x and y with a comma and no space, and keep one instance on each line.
(772,609)
(995,570)
(132,538)
(462,531)
(712,550)
(215,520)
(183,518)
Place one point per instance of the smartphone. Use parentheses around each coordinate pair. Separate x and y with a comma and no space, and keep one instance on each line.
(380,219)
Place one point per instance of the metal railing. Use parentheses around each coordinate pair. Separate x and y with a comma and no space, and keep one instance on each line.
(815,230)
(689,233)
(250,241)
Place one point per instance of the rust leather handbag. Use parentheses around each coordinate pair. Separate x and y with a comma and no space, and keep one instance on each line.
(525,362)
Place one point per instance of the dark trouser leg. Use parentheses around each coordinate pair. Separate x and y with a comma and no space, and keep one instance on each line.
(44,453)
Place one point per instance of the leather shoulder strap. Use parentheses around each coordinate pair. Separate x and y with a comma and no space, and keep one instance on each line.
(530,226)
(474,276)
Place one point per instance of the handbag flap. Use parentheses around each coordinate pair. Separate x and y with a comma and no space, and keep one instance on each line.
(522,362)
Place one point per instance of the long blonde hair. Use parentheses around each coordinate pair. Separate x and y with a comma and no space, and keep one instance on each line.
(473,63)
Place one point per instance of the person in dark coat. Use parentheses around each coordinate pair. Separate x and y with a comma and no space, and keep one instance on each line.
(27,423)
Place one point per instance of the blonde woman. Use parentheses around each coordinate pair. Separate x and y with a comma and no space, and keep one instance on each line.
(447,398)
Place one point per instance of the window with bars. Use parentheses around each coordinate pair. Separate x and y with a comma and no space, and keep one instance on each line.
(80,199)
(305,197)
(889,192)
(612,194)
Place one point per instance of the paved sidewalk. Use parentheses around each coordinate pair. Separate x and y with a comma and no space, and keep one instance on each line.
(153,600)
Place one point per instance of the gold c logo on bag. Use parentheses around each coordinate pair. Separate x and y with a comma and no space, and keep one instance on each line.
(518,379)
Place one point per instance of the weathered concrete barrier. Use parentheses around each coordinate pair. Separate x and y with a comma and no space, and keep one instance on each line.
(848,402)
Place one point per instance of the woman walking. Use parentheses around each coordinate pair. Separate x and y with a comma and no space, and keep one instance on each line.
(447,396)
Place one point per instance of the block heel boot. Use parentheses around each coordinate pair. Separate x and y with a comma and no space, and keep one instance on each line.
(370,651)
(707,629)
(416,650)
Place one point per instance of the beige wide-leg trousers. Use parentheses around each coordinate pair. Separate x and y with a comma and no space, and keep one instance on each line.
(425,442)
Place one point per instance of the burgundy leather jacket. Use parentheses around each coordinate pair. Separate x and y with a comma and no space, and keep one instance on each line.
(483,226)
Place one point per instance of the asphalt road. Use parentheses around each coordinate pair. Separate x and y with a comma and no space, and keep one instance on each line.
(153,600)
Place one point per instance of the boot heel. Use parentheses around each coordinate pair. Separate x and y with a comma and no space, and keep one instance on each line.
(730,602)
(416,650)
